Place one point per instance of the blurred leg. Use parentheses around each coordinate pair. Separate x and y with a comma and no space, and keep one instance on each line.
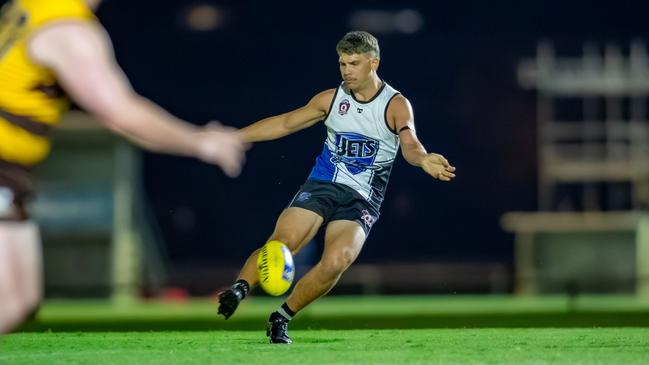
(343,242)
(10,301)
(295,227)
(27,247)
(20,272)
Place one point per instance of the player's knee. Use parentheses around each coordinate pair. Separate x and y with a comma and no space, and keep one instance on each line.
(336,264)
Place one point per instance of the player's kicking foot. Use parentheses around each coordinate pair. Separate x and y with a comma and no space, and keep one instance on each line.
(229,300)
(277,329)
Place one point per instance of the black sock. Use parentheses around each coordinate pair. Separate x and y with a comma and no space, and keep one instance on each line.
(285,312)
(242,286)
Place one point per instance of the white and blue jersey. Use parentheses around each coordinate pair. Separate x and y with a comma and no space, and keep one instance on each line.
(360,147)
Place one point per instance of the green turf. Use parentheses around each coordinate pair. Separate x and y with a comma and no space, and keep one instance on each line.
(417,346)
(352,313)
(342,330)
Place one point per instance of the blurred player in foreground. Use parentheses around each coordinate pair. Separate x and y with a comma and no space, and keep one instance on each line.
(44,44)
(367,121)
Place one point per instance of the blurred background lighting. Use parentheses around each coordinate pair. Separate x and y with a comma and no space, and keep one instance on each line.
(203,17)
(406,21)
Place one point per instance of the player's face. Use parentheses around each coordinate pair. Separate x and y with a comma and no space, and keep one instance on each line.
(357,69)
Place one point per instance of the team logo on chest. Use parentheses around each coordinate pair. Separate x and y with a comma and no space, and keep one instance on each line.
(356,151)
(343,107)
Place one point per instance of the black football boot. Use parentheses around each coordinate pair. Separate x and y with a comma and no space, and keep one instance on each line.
(277,329)
(229,300)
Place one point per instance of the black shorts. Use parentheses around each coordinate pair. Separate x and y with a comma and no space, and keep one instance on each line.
(333,201)
(15,188)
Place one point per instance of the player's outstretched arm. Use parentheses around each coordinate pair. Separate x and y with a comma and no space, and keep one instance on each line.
(282,125)
(400,116)
(81,56)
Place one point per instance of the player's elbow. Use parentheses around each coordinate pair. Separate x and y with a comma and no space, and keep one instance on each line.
(288,124)
(115,111)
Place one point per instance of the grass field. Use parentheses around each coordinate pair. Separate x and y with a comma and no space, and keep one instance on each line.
(339,330)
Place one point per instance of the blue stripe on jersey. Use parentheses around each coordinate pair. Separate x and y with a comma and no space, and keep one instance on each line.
(324,169)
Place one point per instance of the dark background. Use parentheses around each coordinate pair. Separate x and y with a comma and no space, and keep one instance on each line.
(459,72)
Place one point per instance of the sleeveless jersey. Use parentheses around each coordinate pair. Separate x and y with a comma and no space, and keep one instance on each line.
(360,147)
(30,100)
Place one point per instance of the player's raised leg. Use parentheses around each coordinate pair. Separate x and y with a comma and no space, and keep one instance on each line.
(295,227)
(343,242)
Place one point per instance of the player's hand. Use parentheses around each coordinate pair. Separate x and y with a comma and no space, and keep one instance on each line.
(438,167)
(222,146)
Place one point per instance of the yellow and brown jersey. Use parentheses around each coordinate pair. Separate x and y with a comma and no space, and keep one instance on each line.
(30,100)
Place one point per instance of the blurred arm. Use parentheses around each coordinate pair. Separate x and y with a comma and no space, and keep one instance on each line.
(80,54)
(401,116)
(284,124)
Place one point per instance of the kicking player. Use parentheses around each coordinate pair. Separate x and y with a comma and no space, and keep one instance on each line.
(44,44)
(367,121)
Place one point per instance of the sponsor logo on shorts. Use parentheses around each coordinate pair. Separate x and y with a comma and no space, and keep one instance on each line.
(343,107)
(368,218)
(304,196)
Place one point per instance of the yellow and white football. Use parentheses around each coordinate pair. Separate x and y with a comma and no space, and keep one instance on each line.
(275,268)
